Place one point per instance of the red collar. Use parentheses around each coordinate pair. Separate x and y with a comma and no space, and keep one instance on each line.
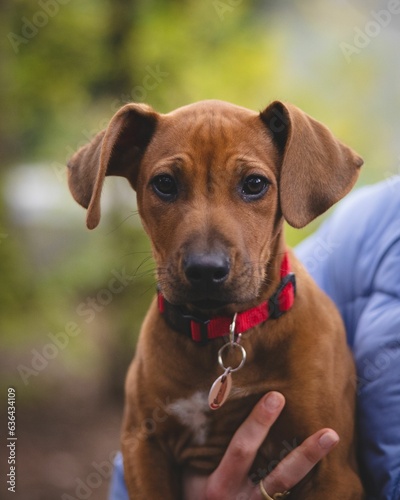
(202,329)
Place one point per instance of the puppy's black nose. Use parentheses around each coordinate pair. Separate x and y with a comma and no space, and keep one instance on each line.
(206,270)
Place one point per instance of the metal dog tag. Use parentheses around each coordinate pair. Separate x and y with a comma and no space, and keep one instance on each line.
(220,390)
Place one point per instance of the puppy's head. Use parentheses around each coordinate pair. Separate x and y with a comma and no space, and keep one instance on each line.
(213,183)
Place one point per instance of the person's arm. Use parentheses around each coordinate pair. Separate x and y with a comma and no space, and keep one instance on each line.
(355,258)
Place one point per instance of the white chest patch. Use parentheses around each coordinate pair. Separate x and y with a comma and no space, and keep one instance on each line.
(193,413)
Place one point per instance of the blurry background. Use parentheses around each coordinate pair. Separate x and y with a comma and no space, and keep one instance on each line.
(67,335)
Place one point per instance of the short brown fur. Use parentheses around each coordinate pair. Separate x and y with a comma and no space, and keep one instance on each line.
(209,148)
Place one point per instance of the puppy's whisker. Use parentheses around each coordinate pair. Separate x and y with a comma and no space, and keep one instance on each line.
(150,288)
(122,222)
(144,261)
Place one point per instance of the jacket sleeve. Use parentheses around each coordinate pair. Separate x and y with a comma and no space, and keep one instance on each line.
(118,489)
(377,355)
(355,258)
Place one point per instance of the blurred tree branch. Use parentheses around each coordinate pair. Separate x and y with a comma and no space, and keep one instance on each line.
(119,74)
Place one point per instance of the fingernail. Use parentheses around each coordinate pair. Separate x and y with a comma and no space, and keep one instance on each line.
(273,401)
(328,440)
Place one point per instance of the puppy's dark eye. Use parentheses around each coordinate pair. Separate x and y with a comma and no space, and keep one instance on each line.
(254,187)
(165,187)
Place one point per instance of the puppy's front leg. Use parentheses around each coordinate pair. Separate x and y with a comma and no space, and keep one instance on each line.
(149,472)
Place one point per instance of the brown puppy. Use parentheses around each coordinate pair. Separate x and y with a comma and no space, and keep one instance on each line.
(214,183)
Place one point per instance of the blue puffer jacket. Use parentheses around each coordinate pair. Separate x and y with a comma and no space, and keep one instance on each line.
(355,258)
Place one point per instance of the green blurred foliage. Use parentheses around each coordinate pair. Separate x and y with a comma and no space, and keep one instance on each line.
(63,85)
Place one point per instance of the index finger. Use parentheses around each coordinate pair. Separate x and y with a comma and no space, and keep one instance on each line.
(245,443)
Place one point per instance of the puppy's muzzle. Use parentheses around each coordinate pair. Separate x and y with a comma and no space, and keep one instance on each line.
(206,272)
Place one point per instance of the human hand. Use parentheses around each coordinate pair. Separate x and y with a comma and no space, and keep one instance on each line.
(231,479)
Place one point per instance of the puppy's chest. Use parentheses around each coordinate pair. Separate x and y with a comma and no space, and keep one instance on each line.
(193,414)
(200,435)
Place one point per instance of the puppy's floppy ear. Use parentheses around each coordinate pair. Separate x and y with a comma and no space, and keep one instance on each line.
(114,151)
(317,170)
